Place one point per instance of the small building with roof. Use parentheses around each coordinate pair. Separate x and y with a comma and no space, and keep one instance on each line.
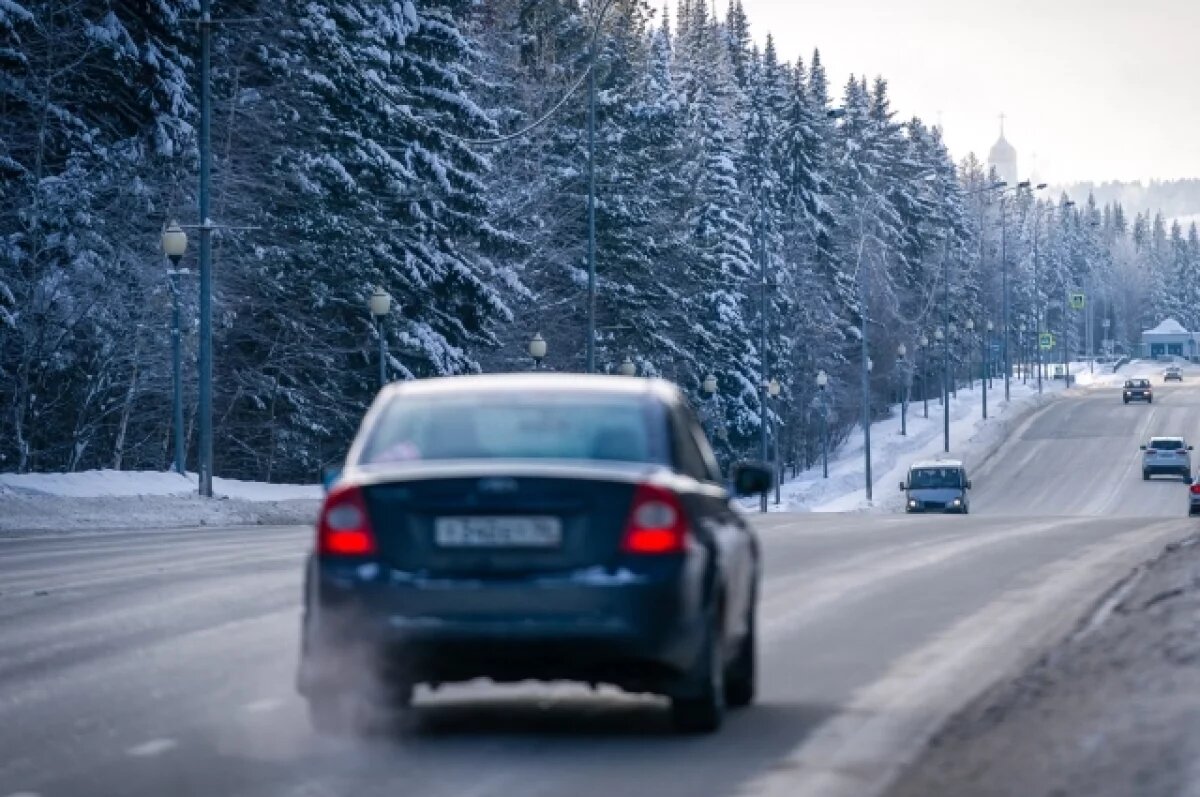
(1170,339)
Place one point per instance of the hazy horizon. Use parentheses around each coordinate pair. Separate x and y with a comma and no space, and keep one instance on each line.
(956,63)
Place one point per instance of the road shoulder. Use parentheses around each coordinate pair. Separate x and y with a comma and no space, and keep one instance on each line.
(1111,709)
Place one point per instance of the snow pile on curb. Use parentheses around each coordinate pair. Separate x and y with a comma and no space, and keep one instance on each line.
(115,483)
(146,499)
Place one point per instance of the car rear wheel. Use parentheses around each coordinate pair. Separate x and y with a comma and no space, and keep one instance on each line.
(703,710)
(742,674)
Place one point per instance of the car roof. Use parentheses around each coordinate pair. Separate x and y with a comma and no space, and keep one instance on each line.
(937,463)
(490,384)
(1166,437)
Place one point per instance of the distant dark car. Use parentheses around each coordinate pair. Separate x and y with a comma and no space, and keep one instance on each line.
(1138,390)
(545,527)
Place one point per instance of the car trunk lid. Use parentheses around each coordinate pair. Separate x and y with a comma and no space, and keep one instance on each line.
(500,525)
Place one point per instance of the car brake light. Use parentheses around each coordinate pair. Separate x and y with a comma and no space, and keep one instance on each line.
(656,522)
(345,528)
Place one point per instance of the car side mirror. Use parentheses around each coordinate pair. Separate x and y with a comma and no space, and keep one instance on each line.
(329,477)
(1191,448)
(903,486)
(1143,448)
(751,478)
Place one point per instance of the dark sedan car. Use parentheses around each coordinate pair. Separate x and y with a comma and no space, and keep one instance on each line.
(1138,390)
(545,527)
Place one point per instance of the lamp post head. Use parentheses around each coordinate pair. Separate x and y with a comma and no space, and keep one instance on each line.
(923,341)
(939,335)
(870,365)
(901,351)
(822,380)
(710,384)
(380,303)
(627,368)
(970,324)
(537,347)
(174,242)
(774,388)
(990,326)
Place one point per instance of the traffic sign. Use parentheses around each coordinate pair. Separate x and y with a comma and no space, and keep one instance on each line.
(1046,341)
(1078,300)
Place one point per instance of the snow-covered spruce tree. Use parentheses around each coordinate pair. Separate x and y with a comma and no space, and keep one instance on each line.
(721,266)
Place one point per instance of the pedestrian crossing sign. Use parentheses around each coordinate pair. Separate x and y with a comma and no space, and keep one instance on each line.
(1078,300)
(1046,341)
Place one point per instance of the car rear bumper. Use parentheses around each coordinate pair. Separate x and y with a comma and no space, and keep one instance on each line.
(1174,470)
(640,631)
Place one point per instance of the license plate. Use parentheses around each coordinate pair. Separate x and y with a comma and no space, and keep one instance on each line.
(497,532)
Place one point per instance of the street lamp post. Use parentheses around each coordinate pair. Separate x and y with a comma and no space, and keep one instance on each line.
(970,337)
(1022,358)
(537,350)
(867,367)
(940,337)
(823,389)
(774,389)
(901,358)
(923,344)
(952,340)
(985,355)
(174,244)
(380,304)
(709,386)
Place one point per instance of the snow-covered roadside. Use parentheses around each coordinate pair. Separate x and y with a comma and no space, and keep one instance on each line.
(146,499)
(972,440)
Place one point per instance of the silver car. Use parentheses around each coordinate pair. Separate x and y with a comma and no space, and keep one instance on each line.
(1167,455)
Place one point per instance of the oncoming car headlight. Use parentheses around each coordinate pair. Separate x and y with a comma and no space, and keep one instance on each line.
(958,502)
(912,502)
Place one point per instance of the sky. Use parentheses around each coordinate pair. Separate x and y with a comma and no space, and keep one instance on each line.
(1096,89)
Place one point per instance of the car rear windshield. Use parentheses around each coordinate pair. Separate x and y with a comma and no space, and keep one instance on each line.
(1138,383)
(934,478)
(544,425)
(1166,445)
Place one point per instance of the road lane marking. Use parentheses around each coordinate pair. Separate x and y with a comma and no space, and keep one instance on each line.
(262,706)
(152,748)
(24,794)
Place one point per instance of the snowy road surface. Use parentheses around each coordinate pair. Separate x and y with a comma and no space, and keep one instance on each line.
(150,663)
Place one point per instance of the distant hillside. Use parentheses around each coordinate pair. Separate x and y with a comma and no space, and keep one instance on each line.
(1173,198)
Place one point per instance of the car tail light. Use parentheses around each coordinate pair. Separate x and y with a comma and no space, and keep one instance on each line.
(656,524)
(1195,488)
(345,527)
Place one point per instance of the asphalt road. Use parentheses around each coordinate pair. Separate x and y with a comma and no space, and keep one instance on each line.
(151,663)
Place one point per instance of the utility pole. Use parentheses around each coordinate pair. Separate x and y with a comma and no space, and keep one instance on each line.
(1004,270)
(1037,293)
(205,412)
(591,246)
(946,348)
(764,387)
